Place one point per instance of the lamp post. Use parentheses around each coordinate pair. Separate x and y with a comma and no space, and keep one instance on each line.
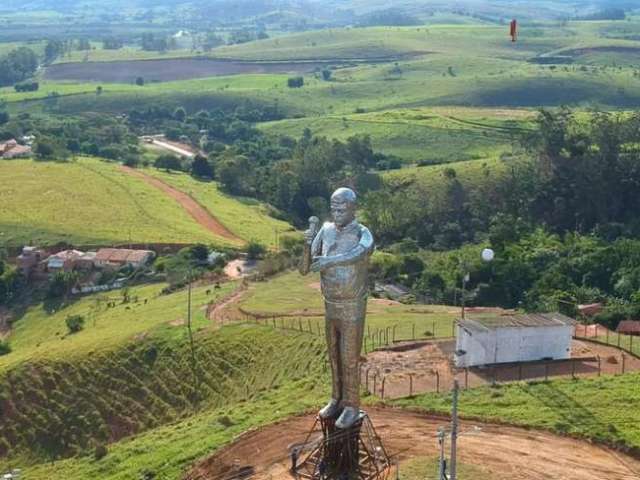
(487,255)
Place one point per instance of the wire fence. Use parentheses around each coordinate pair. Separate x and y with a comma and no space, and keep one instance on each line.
(600,334)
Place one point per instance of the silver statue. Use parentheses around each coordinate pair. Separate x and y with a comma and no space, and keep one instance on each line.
(340,251)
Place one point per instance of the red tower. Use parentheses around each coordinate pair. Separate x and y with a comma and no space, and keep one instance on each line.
(513,30)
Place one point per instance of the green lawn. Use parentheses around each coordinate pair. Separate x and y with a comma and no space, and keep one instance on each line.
(245,217)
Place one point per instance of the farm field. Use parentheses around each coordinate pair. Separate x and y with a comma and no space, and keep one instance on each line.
(128,209)
(168,70)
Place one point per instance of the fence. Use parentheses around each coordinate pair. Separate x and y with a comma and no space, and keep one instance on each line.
(600,334)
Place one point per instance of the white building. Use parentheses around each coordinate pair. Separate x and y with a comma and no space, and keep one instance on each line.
(513,338)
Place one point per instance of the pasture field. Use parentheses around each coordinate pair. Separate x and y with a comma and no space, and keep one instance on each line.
(294,297)
(42,334)
(427,135)
(93,202)
(87,202)
(245,217)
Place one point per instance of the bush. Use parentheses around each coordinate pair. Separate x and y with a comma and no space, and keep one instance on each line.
(27,87)
(100,452)
(255,250)
(75,323)
(5,348)
(295,82)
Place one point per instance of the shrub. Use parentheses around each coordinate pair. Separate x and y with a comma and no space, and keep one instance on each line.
(75,323)
(295,82)
(5,348)
(255,249)
(100,452)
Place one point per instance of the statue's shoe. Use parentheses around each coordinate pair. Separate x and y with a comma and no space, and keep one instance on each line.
(330,409)
(350,415)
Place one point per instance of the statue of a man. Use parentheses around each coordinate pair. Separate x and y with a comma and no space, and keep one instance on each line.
(340,251)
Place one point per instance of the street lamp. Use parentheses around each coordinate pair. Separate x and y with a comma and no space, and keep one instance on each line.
(487,255)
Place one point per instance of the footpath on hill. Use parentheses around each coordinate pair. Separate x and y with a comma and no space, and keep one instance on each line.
(502,452)
(197,211)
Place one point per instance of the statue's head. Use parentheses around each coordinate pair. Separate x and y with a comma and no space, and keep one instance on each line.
(343,206)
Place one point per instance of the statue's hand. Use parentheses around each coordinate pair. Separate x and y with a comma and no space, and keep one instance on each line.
(309,235)
(320,263)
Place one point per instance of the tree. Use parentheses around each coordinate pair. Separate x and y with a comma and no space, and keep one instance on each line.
(27,87)
(53,50)
(168,162)
(255,250)
(4,117)
(44,149)
(295,82)
(326,74)
(180,114)
(74,323)
(201,167)
(61,283)
(5,348)
(99,90)
(18,65)
(140,81)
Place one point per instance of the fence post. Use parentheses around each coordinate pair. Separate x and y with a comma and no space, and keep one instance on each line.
(618,339)
(384,379)
(453,329)
(599,366)
(631,343)
(437,381)
(466,378)
(433,330)
(597,330)
(375,382)
(607,335)
(274,322)
(393,333)
(366,377)
(411,384)
(300,324)
(309,325)
(624,359)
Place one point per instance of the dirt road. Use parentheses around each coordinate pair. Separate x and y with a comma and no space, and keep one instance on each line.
(197,211)
(502,452)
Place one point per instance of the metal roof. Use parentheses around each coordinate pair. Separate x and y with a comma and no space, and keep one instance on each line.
(529,320)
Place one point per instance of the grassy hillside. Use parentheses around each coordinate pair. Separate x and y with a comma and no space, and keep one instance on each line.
(245,217)
(429,135)
(40,334)
(92,202)
(87,202)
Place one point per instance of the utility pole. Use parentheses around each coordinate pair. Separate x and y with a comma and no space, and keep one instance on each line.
(441,464)
(454,429)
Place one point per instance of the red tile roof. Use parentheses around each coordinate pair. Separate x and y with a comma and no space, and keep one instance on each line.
(629,326)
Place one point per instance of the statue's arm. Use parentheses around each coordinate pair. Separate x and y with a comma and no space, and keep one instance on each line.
(363,249)
(309,252)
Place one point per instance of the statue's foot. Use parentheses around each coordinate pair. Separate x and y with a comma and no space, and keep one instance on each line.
(330,409)
(349,416)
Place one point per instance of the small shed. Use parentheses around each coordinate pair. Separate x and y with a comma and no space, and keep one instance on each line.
(629,327)
(513,338)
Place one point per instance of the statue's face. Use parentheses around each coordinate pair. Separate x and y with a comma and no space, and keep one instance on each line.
(343,213)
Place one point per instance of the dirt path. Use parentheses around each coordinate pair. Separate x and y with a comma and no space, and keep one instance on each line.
(197,211)
(502,452)
(224,312)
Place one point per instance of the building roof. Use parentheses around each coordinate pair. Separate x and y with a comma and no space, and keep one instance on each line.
(122,255)
(17,151)
(629,326)
(530,320)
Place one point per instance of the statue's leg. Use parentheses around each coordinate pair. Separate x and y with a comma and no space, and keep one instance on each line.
(333,351)
(351,333)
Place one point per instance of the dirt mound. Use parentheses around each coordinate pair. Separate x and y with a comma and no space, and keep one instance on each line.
(503,452)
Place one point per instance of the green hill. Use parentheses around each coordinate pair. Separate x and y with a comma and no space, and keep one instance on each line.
(89,202)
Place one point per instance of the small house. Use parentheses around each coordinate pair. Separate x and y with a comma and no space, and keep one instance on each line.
(120,257)
(629,327)
(64,261)
(29,259)
(513,338)
(12,149)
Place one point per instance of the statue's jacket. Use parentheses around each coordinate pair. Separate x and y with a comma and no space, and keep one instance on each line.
(351,247)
